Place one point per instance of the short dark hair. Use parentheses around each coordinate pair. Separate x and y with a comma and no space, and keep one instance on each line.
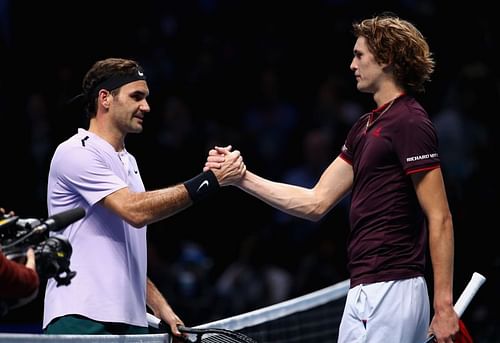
(110,74)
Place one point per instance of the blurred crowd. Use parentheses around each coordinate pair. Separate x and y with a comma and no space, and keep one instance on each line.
(273,80)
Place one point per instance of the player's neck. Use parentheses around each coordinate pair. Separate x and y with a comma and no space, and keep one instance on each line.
(382,99)
(113,137)
(387,93)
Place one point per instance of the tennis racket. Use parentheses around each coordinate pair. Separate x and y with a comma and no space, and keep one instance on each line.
(202,335)
(465,298)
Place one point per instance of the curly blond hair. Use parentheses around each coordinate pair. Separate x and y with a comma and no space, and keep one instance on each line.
(400,44)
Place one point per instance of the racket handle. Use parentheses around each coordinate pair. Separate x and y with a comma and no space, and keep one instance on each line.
(153,321)
(465,298)
(470,290)
(157,323)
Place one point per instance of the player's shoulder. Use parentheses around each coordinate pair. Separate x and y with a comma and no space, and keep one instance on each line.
(413,106)
(413,111)
(78,148)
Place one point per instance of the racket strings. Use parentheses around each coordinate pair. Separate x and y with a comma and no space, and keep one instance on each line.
(217,336)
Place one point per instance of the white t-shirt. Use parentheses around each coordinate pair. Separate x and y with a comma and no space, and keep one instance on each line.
(109,255)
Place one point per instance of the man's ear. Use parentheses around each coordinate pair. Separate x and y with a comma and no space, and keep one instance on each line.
(104,98)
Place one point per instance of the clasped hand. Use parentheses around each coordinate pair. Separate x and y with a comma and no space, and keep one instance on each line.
(227,165)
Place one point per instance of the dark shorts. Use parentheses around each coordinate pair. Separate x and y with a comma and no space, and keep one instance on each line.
(80,325)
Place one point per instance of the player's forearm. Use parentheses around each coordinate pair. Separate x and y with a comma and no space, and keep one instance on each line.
(291,199)
(154,298)
(165,202)
(142,208)
(441,243)
(161,308)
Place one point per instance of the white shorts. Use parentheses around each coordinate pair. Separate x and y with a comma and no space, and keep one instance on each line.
(389,312)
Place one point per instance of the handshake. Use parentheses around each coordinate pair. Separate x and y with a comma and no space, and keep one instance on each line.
(227,165)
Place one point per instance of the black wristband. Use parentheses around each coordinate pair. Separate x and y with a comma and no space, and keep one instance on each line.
(202,185)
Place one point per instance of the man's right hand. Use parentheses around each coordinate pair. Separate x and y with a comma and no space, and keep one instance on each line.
(227,165)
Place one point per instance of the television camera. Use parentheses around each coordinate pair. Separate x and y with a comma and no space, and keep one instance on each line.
(52,252)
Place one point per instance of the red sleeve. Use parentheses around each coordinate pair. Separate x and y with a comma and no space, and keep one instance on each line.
(16,280)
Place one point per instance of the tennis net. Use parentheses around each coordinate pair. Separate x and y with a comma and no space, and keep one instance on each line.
(314,317)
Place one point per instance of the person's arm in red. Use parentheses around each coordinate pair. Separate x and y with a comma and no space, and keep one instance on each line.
(18,280)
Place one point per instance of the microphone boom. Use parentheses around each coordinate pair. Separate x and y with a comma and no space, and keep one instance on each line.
(61,220)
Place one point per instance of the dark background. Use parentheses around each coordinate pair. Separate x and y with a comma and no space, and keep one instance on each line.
(265,77)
